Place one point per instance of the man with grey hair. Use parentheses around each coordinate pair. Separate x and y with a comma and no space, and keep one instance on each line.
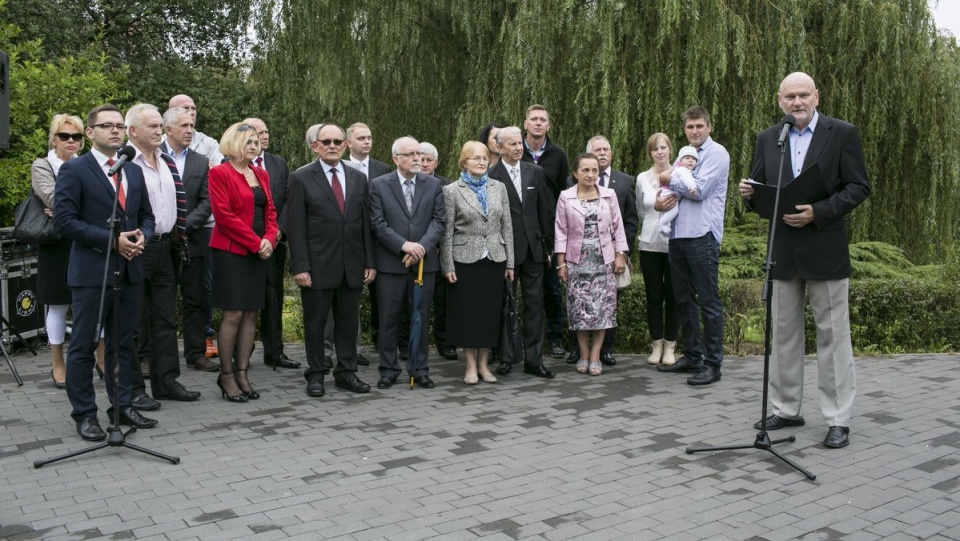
(201,143)
(193,168)
(156,335)
(530,200)
(623,185)
(407,215)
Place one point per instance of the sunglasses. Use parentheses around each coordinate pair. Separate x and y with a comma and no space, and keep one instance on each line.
(328,142)
(244,127)
(77,137)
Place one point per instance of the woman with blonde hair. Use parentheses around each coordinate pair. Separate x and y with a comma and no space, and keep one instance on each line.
(65,141)
(476,255)
(243,238)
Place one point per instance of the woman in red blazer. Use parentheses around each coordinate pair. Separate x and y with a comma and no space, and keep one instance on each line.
(243,238)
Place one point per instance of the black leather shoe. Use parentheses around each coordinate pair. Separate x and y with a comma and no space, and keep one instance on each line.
(353,384)
(775,422)
(361,361)
(837,437)
(130,416)
(683,364)
(282,362)
(385,382)
(327,362)
(449,353)
(143,402)
(425,382)
(706,376)
(89,429)
(557,350)
(538,370)
(174,391)
(204,364)
(404,354)
(608,359)
(315,388)
(504,368)
(574,357)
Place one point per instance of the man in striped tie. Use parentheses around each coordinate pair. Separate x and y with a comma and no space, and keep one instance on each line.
(156,336)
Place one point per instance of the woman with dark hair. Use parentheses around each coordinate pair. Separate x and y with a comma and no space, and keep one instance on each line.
(652,248)
(65,141)
(488,137)
(476,254)
(590,247)
(244,236)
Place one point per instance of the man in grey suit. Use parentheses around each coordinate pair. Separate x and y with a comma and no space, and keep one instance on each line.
(331,256)
(271,317)
(530,199)
(811,253)
(407,215)
(194,168)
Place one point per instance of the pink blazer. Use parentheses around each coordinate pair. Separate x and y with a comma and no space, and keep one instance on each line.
(569,226)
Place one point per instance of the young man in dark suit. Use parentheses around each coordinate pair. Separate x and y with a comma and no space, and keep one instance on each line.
(812,253)
(84,203)
(271,317)
(332,255)
(532,219)
(407,216)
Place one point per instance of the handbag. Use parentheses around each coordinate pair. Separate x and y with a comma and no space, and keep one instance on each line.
(511,344)
(32,225)
(624,278)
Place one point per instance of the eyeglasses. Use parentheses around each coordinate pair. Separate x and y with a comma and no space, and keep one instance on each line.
(110,127)
(328,142)
(63,136)
(478,159)
(409,154)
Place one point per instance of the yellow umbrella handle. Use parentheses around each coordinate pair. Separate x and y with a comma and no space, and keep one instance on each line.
(420,273)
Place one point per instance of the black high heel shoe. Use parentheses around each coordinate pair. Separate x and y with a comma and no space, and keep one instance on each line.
(223,392)
(251,394)
(58,384)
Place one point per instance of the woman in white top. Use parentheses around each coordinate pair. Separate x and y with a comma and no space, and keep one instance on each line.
(654,263)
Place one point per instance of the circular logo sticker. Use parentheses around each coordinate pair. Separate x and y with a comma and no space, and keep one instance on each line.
(26,303)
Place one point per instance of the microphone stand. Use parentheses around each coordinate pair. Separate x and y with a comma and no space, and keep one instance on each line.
(763,441)
(116,437)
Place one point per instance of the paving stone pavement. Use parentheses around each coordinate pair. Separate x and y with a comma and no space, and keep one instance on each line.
(577,457)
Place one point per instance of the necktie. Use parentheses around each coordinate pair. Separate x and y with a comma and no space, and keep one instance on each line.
(603,174)
(121,197)
(408,194)
(363,169)
(337,189)
(515,176)
(181,196)
(260,162)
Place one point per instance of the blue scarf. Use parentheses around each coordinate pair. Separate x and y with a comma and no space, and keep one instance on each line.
(479,187)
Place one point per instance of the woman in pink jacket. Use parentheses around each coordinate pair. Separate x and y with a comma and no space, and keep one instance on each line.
(589,246)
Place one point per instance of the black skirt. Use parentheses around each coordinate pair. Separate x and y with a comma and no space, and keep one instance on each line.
(52,260)
(239,281)
(475,304)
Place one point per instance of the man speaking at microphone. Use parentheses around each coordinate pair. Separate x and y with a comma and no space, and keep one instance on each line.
(811,252)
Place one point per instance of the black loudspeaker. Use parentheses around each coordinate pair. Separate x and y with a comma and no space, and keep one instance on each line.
(4,101)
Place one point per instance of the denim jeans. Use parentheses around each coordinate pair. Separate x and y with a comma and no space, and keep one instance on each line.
(696,288)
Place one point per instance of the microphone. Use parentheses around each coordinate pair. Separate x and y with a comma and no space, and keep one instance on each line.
(788,122)
(124,155)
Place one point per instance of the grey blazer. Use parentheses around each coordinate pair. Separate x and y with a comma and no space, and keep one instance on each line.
(470,232)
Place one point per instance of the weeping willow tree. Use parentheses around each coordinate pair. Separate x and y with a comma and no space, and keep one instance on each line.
(440,69)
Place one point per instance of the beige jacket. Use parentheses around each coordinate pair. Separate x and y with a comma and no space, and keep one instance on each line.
(469,233)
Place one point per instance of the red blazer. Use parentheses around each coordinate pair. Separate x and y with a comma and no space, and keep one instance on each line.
(232,203)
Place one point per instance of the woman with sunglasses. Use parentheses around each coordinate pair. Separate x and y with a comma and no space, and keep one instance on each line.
(65,141)
(243,238)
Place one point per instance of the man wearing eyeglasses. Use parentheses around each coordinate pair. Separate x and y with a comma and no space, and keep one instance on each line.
(331,255)
(407,215)
(83,206)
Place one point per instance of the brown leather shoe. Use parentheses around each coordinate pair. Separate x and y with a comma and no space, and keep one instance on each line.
(204,364)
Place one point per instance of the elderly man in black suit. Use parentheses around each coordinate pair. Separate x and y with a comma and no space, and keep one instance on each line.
(271,317)
(332,255)
(83,206)
(811,253)
(625,188)
(193,167)
(408,216)
(530,204)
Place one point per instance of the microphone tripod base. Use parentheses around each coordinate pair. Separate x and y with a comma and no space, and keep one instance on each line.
(764,443)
